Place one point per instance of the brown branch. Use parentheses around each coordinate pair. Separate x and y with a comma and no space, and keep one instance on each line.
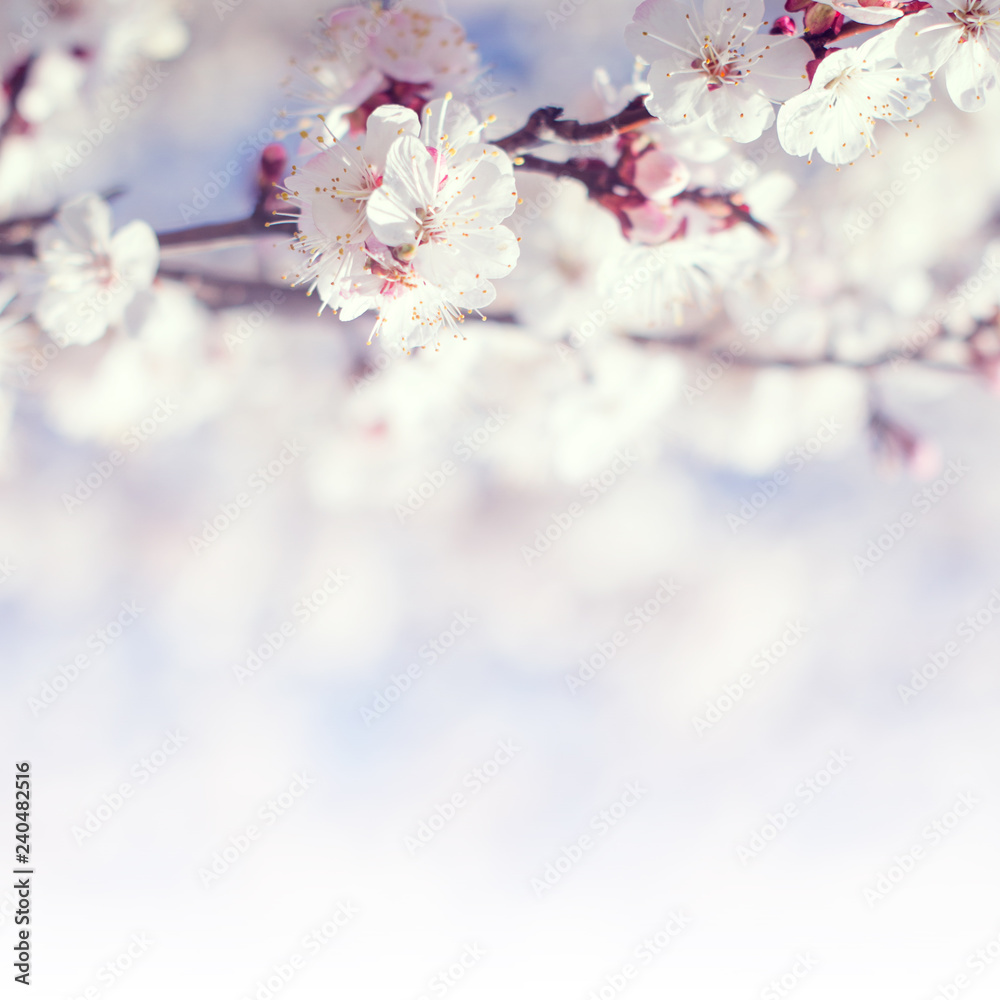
(852,28)
(222,234)
(596,176)
(17,235)
(547,125)
(873,364)
(221,292)
(820,44)
(695,344)
(728,206)
(602,181)
(213,234)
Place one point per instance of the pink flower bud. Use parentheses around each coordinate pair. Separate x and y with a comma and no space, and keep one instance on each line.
(660,176)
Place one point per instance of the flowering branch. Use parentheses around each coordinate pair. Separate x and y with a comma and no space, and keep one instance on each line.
(389,221)
(603,181)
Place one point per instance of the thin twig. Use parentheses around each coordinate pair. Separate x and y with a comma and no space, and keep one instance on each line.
(217,235)
(696,345)
(547,125)
(597,176)
(852,28)
(602,180)
(213,234)
(221,292)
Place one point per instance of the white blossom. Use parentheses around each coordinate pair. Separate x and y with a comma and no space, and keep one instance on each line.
(867,11)
(93,277)
(660,284)
(12,343)
(412,228)
(332,191)
(151,29)
(414,47)
(714,66)
(11,336)
(53,85)
(964,39)
(850,91)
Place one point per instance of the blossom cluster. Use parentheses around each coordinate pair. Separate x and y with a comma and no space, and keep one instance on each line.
(400,230)
(65,67)
(368,56)
(728,67)
(407,221)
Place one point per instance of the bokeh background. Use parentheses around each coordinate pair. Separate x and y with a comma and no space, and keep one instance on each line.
(368,426)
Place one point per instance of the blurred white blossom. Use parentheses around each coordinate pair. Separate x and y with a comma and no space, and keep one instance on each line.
(92,275)
(369,55)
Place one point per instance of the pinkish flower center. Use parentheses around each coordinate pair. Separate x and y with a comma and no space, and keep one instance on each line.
(974,18)
(718,67)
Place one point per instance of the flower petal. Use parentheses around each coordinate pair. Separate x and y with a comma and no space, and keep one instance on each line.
(385,125)
(409,185)
(927,40)
(971,75)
